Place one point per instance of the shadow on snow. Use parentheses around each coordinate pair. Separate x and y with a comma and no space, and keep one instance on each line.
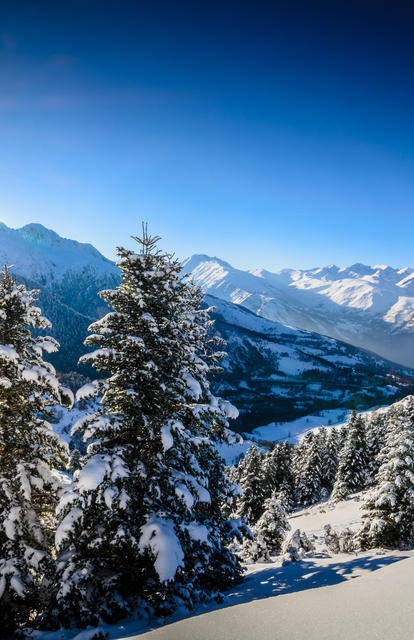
(303,575)
(290,578)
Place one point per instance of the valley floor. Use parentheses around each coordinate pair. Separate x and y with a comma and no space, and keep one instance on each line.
(366,596)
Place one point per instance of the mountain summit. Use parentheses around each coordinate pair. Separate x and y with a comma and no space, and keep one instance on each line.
(371,307)
(68,275)
(37,252)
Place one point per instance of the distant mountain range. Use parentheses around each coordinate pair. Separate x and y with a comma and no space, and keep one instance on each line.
(273,372)
(368,307)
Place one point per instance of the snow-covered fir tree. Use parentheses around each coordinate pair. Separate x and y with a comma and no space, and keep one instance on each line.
(278,473)
(375,429)
(343,432)
(353,463)
(254,549)
(268,532)
(343,541)
(251,478)
(296,546)
(330,451)
(142,525)
(273,523)
(308,470)
(388,518)
(30,453)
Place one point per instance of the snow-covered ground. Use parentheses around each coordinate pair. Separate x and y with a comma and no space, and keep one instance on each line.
(294,429)
(231,453)
(366,596)
(316,603)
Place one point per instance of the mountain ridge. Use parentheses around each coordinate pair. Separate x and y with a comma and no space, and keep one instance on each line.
(369,307)
(49,253)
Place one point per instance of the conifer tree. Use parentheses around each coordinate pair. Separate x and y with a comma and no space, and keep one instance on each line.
(268,532)
(142,524)
(353,461)
(389,509)
(296,546)
(375,436)
(286,489)
(29,453)
(330,457)
(273,523)
(254,549)
(252,481)
(308,470)
(278,473)
(343,433)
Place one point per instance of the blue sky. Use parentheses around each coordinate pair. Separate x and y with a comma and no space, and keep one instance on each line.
(269,133)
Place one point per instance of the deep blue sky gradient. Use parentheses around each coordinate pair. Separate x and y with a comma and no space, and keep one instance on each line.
(268,133)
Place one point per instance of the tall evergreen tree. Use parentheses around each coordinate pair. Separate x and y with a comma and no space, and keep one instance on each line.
(286,489)
(388,518)
(143,522)
(330,457)
(353,461)
(343,433)
(308,470)
(29,453)
(252,480)
(375,436)
(278,473)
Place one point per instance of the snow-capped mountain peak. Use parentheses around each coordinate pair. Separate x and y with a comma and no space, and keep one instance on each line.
(368,306)
(35,251)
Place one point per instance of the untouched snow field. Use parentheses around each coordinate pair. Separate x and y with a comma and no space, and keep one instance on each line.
(295,429)
(376,606)
(366,596)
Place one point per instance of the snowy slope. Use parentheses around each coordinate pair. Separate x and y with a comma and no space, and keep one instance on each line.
(275,374)
(68,275)
(39,253)
(293,430)
(365,596)
(369,307)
